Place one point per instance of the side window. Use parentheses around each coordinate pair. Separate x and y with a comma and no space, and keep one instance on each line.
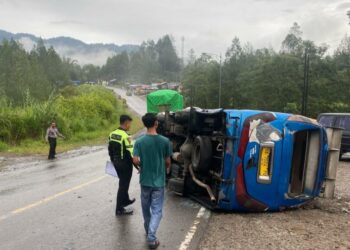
(327,120)
(343,122)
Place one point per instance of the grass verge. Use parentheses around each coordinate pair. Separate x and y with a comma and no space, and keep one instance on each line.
(40,147)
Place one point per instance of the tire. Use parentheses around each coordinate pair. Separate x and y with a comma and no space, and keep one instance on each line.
(201,154)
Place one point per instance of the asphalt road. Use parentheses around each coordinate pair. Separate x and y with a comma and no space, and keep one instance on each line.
(69,204)
(136,103)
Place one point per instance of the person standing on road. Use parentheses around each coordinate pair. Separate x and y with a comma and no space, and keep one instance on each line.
(120,151)
(51,137)
(152,154)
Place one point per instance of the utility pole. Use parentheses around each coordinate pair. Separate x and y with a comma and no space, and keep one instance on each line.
(182,66)
(192,93)
(220,83)
(183,51)
(306,83)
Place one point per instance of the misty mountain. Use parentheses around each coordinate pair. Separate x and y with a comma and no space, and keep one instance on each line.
(96,53)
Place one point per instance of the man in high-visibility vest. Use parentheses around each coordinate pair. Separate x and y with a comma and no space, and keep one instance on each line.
(120,150)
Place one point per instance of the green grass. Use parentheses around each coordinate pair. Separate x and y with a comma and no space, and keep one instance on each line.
(40,147)
(84,114)
(3,146)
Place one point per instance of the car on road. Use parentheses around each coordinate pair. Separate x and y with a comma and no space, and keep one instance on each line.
(245,160)
(340,120)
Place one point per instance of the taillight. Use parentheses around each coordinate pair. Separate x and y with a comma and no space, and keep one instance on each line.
(265,162)
(242,196)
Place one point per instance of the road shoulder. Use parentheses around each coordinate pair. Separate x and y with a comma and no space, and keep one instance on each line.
(322,224)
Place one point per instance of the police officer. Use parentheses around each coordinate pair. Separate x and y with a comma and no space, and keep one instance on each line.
(51,137)
(120,151)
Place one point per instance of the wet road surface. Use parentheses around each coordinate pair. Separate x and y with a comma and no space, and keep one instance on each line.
(69,204)
(136,103)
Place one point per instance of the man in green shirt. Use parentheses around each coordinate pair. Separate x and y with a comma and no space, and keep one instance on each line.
(152,153)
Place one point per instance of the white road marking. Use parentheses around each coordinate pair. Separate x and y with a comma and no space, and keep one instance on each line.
(189,236)
(134,103)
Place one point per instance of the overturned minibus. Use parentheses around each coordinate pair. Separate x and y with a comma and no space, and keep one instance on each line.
(245,160)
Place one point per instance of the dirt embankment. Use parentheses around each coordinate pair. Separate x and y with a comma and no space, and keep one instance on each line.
(323,224)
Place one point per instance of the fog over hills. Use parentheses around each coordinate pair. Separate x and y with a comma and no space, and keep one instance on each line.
(83,53)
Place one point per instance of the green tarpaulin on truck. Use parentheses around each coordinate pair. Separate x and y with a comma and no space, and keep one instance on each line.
(160,100)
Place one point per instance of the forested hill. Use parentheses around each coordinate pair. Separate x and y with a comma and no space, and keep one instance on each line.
(267,79)
(84,53)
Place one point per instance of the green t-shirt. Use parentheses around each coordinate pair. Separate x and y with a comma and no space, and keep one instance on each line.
(152,150)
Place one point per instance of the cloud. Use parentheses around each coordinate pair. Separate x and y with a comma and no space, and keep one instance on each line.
(66,22)
(343,6)
(208,26)
(289,11)
(27,43)
(95,57)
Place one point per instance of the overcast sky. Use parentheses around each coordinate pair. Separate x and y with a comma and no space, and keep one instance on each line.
(207,25)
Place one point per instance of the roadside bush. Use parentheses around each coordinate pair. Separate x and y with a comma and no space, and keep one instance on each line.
(76,110)
(3,146)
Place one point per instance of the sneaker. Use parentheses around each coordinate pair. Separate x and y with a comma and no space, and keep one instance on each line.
(124,211)
(154,245)
(128,203)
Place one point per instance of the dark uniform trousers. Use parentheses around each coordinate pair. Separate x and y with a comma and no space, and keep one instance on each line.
(53,143)
(124,171)
(120,152)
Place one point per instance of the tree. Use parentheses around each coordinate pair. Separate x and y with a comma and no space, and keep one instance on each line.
(90,73)
(191,56)
(117,67)
(201,82)
(152,62)
(267,80)
(34,75)
(167,57)
(293,41)
(51,63)
(20,74)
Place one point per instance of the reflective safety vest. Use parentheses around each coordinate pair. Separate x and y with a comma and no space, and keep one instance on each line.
(120,136)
